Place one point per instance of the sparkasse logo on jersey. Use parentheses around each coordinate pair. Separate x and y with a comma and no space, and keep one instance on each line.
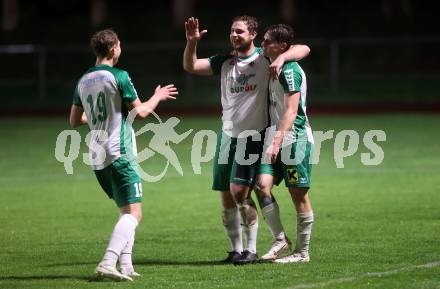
(242,81)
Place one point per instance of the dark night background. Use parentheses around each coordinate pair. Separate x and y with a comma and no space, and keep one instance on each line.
(369,53)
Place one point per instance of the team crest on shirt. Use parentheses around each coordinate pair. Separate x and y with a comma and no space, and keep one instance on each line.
(242,81)
(244,78)
(292,176)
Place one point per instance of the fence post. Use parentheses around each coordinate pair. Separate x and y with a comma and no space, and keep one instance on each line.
(42,80)
(334,65)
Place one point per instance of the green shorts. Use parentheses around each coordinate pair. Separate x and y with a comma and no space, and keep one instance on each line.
(296,176)
(121,182)
(227,170)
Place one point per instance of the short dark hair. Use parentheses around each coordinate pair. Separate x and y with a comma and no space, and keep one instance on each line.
(251,22)
(281,33)
(102,41)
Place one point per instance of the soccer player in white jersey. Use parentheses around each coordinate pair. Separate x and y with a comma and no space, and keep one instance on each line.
(288,153)
(244,88)
(102,99)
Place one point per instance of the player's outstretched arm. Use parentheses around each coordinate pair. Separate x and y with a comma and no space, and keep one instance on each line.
(77,116)
(294,53)
(191,63)
(143,109)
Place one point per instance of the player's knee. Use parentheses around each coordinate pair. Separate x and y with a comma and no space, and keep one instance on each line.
(299,195)
(263,188)
(238,189)
(239,192)
(134,210)
(138,216)
(264,194)
(227,199)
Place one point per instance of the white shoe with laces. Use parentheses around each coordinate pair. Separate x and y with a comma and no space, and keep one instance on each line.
(279,247)
(129,271)
(294,258)
(111,272)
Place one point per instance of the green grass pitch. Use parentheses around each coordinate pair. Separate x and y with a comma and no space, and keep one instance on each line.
(375,226)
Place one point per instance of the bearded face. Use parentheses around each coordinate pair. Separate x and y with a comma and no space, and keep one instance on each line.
(241,38)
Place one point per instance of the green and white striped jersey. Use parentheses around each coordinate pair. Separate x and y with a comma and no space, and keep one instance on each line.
(102,92)
(291,79)
(244,90)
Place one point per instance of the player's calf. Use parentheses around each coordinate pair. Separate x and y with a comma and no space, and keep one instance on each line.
(304,219)
(249,219)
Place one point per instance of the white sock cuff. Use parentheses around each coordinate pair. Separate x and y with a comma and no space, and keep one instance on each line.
(305,214)
(305,217)
(131,218)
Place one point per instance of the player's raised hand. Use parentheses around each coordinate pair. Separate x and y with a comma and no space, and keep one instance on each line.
(166,93)
(275,68)
(193,34)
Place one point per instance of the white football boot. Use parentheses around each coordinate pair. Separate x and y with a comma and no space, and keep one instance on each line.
(129,271)
(111,272)
(279,247)
(294,258)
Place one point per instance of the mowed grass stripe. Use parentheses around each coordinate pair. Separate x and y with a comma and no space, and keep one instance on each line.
(54,227)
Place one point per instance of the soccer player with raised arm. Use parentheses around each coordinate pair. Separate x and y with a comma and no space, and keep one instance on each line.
(244,96)
(103,98)
(289,152)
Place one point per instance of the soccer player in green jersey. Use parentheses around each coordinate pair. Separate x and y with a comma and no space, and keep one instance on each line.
(244,96)
(288,153)
(103,98)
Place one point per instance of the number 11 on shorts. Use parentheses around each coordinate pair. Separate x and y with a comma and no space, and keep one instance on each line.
(138,188)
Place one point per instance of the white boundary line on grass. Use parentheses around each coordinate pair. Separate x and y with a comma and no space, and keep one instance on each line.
(366,275)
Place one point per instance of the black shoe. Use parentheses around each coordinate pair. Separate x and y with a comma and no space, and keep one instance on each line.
(247,258)
(233,257)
